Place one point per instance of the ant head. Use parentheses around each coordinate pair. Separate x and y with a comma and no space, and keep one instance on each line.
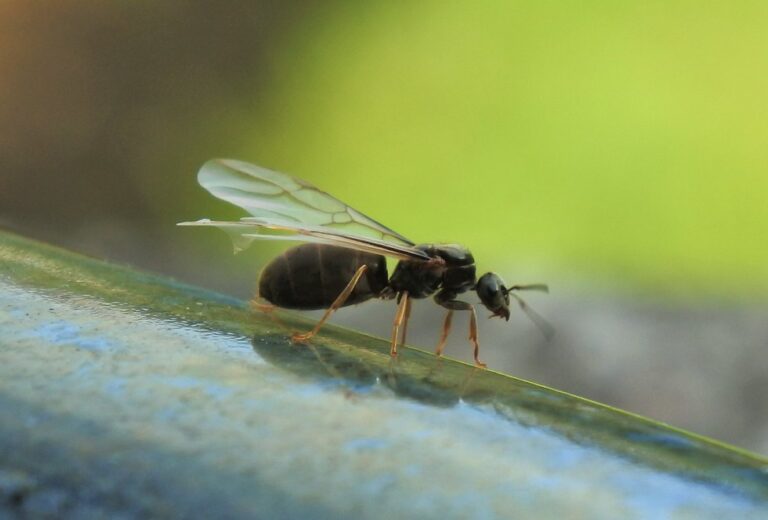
(494,295)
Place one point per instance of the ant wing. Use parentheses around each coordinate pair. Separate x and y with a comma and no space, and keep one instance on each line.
(248,229)
(275,196)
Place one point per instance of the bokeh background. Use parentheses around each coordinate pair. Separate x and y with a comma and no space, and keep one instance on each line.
(618,151)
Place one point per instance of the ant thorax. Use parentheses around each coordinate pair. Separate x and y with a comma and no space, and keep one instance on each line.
(453,270)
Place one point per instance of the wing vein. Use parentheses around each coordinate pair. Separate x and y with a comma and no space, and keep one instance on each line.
(293,209)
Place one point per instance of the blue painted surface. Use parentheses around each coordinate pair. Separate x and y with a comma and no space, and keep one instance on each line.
(147,405)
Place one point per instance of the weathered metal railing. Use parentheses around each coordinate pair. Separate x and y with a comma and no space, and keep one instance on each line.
(124,392)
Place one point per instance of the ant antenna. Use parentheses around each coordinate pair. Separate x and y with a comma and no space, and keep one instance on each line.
(542,324)
(530,287)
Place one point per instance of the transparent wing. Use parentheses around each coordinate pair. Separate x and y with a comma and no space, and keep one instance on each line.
(248,229)
(281,198)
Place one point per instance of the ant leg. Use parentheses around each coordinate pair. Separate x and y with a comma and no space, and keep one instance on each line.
(340,299)
(268,309)
(256,305)
(405,320)
(446,299)
(444,335)
(399,317)
(473,338)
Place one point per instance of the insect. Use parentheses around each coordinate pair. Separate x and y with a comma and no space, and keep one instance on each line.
(342,260)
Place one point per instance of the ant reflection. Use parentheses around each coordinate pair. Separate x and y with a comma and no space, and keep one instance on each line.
(360,371)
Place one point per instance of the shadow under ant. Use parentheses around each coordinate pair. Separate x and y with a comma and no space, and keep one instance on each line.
(360,370)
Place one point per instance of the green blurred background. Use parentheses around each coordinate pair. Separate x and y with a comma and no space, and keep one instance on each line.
(618,151)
